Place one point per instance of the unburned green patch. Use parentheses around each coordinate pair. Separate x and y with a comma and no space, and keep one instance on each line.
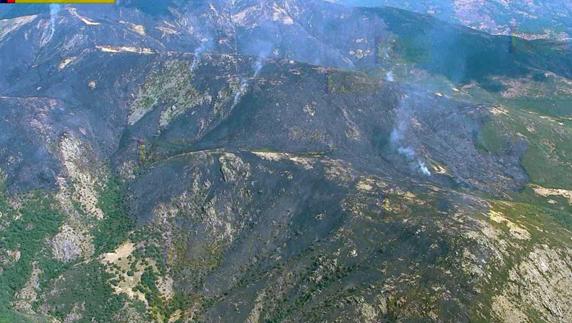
(169,85)
(116,225)
(490,139)
(36,220)
(348,82)
(86,286)
(549,144)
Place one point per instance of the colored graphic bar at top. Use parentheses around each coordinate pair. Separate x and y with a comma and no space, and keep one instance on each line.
(58,1)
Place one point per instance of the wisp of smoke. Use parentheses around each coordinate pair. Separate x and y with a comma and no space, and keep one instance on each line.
(389,76)
(423,168)
(54,11)
(397,134)
(397,139)
(261,59)
(264,49)
(258,65)
(240,93)
(407,152)
(414,162)
(198,53)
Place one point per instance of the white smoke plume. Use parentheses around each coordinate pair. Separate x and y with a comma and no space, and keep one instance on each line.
(199,51)
(259,63)
(398,140)
(261,59)
(241,91)
(389,76)
(54,11)
(423,168)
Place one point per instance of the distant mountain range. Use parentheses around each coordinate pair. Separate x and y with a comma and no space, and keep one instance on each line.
(531,19)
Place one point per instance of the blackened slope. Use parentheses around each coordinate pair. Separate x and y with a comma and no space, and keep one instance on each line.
(25,157)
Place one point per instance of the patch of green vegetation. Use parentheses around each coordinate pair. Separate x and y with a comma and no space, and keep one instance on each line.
(172,84)
(195,269)
(548,166)
(159,307)
(157,304)
(10,316)
(555,106)
(549,150)
(36,220)
(490,139)
(86,285)
(553,223)
(412,50)
(114,229)
(154,252)
(27,230)
(147,234)
(559,211)
(50,270)
(348,82)
(549,144)
(147,102)
(546,161)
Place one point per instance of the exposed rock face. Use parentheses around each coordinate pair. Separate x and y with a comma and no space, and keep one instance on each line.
(80,173)
(547,277)
(69,245)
